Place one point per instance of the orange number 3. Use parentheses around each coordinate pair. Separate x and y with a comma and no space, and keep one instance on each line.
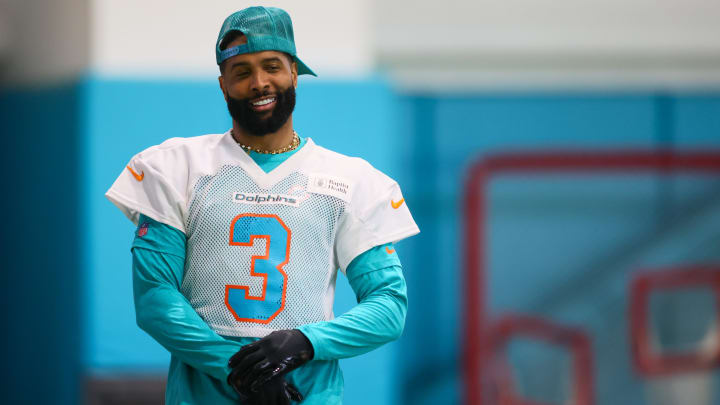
(263,308)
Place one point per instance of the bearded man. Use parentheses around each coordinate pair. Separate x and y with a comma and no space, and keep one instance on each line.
(240,236)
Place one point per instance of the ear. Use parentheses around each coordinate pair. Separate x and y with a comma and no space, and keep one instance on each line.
(221,81)
(294,71)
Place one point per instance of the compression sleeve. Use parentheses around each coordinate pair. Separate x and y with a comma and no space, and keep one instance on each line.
(379,316)
(163,312)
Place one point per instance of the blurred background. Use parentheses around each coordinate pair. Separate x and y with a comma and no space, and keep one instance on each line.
(561,157)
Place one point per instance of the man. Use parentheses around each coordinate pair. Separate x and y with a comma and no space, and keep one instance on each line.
(240,236)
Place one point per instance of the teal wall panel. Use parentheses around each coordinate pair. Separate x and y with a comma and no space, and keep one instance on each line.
(41,272)
(697,121)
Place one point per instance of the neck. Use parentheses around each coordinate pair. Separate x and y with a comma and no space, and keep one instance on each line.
(272,141)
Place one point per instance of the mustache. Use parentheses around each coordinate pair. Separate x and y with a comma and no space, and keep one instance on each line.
(258,97)
(241,110)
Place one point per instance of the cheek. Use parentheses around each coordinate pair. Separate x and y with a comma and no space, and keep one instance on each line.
(286,82)
(236,91)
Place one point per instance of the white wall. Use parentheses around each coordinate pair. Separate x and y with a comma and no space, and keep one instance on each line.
(177,37)
(43,41)
(519,43)
(547,25)
(423,44)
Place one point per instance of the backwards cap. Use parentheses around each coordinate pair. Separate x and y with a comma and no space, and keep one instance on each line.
(266,29)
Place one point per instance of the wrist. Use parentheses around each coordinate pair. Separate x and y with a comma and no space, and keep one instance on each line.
(302,337)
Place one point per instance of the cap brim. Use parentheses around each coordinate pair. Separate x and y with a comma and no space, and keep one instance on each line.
(303,69)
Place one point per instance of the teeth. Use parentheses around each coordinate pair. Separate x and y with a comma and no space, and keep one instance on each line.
(264,102)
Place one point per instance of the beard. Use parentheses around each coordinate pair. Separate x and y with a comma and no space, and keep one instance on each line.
(241,111)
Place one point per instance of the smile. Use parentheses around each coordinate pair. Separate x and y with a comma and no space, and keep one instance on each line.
(263,102)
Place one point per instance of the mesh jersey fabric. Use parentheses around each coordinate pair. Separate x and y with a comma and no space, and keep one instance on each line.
(262,248)
(199,357)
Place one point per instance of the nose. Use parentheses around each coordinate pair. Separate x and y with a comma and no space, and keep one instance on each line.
(259,81)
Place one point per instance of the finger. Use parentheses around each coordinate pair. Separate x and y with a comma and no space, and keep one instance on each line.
(267,394)
(285,395)
(251,379)
(242,353)
(240,386)
(273,392)
(292,392)
(259,398)
(232,378)
(266,374)
(278,397)
(254,400)
(283,399)
(248,364)
(243,392)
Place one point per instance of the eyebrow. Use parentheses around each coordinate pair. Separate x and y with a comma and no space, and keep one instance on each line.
(266,60)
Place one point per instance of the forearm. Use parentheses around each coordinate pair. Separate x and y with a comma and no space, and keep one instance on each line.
(166,315)
(378,318)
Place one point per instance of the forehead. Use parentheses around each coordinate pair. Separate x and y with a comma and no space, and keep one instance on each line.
(257,58)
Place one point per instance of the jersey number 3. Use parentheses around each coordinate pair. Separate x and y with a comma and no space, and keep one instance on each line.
(245,229)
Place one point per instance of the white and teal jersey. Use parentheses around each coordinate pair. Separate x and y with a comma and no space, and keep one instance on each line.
(263,249)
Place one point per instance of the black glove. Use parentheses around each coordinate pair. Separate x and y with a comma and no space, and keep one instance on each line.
(274,355)
(275,392)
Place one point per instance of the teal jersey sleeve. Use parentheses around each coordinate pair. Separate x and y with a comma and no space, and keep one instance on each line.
(377,280)
(163,312)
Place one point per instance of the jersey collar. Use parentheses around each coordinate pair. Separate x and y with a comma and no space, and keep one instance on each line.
(256,173)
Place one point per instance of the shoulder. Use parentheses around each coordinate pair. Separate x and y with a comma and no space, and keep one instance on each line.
(177,161)
(352,179)
(157,180)
(180,149)
(355,169)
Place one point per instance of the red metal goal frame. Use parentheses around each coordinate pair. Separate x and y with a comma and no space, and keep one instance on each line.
(574,340)
(475,342)
(648,362)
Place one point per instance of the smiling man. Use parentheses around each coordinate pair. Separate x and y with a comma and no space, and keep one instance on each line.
(240,237)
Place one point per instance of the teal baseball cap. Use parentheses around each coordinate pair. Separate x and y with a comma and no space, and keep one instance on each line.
(266,29)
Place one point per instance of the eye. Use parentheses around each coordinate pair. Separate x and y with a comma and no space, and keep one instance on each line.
(242,73)
(272,68)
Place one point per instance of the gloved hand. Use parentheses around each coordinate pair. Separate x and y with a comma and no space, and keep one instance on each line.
(274,355)
(275,392)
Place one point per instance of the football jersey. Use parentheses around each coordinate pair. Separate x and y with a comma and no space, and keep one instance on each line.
(263,249)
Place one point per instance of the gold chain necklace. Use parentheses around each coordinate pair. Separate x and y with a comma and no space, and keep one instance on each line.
(294,144)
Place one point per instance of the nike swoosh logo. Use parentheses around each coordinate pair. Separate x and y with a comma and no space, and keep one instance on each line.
(397,205)
(390,251)
(138,177)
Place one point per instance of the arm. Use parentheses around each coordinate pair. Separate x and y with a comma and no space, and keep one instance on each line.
(377,280)
(379,317)
(163,312)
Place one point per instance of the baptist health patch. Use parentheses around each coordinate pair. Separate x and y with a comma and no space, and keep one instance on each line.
(332,186)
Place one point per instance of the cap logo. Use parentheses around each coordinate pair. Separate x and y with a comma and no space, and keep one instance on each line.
(235,50)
